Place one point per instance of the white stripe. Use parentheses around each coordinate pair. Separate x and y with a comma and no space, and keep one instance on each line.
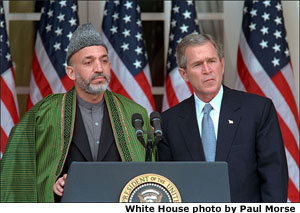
(47,67)
(147,74)
(126,79)
(288,74)
(165,105)
(268,88)
(180,87)
(34,92)
(10,82)
(238,83)
(6,121)
(293,169)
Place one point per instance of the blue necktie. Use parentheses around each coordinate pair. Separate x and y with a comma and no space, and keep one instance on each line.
(208,134)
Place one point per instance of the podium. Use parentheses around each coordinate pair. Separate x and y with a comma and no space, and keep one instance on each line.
(147,182)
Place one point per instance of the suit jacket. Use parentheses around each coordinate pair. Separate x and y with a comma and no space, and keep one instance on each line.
(80,148)
(252,145)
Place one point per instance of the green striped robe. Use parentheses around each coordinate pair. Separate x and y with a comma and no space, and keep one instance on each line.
(37,147)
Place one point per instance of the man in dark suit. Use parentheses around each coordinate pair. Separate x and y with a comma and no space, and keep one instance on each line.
(239,128)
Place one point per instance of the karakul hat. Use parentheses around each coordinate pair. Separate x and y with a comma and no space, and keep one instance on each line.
(84,36)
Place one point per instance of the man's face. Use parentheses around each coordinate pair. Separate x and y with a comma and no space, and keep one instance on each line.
(204,70)
(91,69)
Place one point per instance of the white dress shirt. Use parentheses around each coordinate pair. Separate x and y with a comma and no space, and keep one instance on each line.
(215,112)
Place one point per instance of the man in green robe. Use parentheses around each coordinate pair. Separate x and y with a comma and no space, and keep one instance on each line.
(63,128)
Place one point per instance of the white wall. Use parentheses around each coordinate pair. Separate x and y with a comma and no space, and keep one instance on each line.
(233,11)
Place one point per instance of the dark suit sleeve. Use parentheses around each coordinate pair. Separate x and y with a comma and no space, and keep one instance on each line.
(271,159)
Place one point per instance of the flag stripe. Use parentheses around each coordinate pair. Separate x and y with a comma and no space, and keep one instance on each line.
(46,67)
(116,86)
(34,93)
(285,91)
(6,120)
(9,101)
(38,74)
(171,97)
(58,21)
(180,86)
(9,76)
(267,86)
(3,141)
(141,79)
(290,142)
(287,72)
(183,16)
(264,67)
(123,36)
(126,81)
(293,191)
(294,178)
(252,86)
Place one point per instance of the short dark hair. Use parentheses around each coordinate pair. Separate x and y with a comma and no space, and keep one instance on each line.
(195,40)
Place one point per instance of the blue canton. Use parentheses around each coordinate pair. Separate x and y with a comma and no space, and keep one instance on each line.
(59,20)
(4,51)
(123,28)
(183,22)
(263,26)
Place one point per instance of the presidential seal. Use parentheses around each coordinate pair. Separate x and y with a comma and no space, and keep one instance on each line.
(150,188)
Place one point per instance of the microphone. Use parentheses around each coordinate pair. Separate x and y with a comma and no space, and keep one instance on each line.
(137,123)
(155,120)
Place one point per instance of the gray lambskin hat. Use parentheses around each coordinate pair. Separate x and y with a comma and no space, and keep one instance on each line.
(84,36)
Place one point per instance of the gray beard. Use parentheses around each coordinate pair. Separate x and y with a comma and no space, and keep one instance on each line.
(90,88)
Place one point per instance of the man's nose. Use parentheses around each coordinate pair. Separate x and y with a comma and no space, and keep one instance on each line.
(205,67)
(98,66)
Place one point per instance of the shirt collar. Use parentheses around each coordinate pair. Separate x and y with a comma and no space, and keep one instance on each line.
(88,105)
(215,102)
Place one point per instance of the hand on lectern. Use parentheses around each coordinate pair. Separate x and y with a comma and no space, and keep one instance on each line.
(58,187)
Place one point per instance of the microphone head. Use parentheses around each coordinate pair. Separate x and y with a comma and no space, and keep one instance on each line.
(137,117)
(155,116)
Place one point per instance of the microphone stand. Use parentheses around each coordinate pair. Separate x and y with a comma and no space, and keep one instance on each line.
(149,144)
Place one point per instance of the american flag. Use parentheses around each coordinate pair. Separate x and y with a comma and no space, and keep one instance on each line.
(183,22)
(59,19)
(264,68)
(9,103)
(122,33)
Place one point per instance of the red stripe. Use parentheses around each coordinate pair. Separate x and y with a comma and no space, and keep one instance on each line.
(116,86)
(249,83)
(251,86)
(190,87)
(289,140)
(29,103)
(171,95)
(40,79)
(293,192)
(3,140)
(143,82)
(8,100)
(283,86)
(67,82)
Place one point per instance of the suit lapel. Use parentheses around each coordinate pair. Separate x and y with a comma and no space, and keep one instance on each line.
(107,137)
(189,129)
(80,138)
(228,124)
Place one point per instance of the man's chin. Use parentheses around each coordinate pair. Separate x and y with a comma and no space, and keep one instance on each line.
(98,88)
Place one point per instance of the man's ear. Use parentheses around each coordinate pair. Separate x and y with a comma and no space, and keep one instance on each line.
(183,74)
(70,72)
